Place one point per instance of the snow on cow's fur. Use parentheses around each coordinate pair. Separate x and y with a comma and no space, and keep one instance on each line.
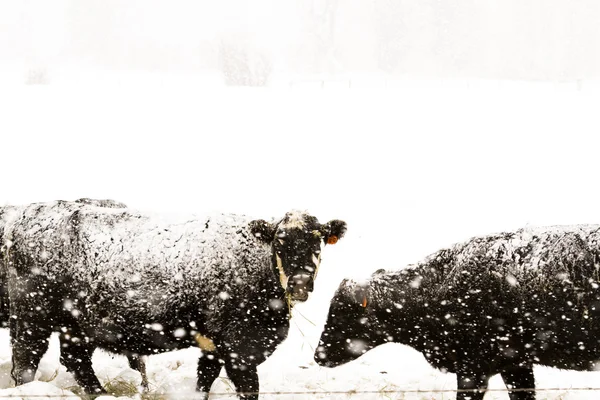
(8,213)
(495,304)
(137,284)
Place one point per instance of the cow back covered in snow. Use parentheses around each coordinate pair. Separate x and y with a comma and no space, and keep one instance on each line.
(495,304)
(137,284)
(8,213)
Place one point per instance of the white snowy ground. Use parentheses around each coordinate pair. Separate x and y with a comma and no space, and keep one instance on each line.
(411,168)
(380,372)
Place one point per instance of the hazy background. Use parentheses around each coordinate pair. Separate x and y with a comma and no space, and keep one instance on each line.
(257,42)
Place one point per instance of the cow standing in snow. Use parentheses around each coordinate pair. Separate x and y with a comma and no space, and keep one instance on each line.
(494,305)
(134,284)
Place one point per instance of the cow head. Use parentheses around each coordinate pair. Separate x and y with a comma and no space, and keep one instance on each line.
(352,327)
(296,242)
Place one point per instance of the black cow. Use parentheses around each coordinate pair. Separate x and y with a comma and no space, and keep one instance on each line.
(494,305)
(137,284)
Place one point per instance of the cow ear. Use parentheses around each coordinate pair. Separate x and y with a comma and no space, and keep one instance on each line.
(333,231)
(262,230)
(361,295)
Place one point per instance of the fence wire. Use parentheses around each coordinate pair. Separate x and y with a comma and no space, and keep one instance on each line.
(181,395)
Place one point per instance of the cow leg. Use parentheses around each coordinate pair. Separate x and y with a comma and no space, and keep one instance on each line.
(209,368)
(138,362)
(467,383)
(519,378)
(244,377)
(76,355)
(29,344)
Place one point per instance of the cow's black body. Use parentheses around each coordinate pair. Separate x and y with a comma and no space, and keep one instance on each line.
(138,285)
(495,305)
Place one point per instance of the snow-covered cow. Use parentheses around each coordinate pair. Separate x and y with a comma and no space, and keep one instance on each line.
(137,284)
(494,305)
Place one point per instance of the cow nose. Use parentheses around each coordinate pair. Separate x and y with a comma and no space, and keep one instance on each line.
(300,284)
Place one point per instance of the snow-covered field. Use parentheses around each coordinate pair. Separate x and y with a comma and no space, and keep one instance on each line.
(412,166)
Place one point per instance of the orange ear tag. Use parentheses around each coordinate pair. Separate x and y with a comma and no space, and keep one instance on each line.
(332,239)
(364,303)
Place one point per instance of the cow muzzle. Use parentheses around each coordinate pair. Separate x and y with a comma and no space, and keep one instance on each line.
(299,285)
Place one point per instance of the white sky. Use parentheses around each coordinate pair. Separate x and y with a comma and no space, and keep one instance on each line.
(535,39)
